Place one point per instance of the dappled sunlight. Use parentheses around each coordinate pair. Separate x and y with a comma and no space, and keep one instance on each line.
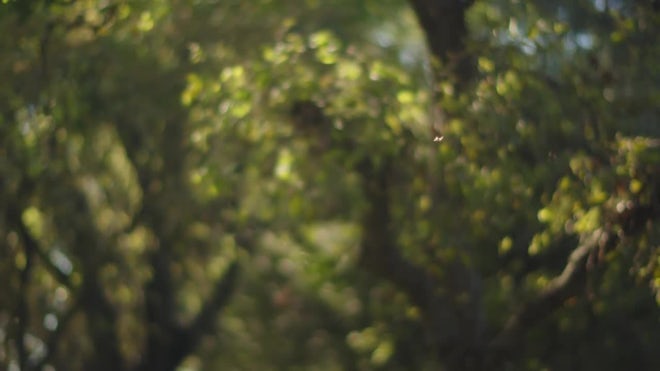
(329,185)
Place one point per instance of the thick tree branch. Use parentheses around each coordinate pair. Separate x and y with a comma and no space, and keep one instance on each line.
(56,272)
(556,292)
(23,310)
(53,340)
(159,306)
(204,322)
(380,255)
(92,252)
(169,343)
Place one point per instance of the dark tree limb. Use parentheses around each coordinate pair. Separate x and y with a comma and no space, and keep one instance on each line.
(169,343)
(53,340)
(92,253)
(380,255)
(23,310)
(161,327)
(60,276)
(554,295)
(379,252)
(101,319)
(205,321)
(454,329)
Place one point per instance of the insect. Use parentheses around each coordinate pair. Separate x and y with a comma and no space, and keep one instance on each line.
(439,138)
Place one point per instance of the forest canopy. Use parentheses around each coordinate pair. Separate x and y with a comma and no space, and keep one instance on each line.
(329,185)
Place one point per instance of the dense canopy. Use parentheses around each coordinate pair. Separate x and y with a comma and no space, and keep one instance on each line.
(329,185)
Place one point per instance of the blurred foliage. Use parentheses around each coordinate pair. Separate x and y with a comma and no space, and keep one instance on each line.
(150,148)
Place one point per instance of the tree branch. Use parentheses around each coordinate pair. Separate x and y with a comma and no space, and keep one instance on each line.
(440,302)
(92,252)
(30,241)
(205,320)
(167,350)
(23,310)
(54,339)
(555,293)
(380,255)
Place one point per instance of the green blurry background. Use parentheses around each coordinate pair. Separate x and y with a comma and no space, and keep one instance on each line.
(255,185)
